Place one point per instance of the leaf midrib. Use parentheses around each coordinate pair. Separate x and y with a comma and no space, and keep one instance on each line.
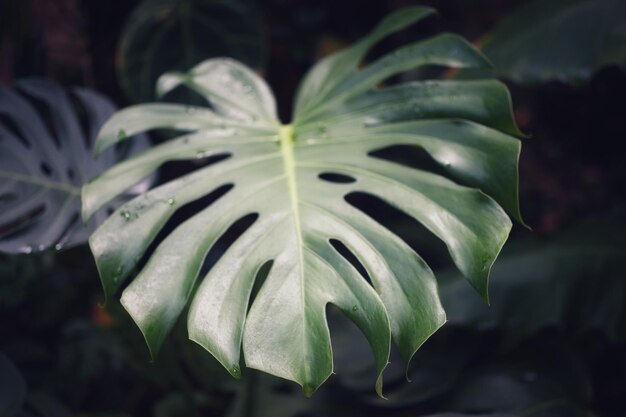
(53,185)
(286,147)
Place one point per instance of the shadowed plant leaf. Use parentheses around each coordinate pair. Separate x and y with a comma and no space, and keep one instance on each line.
(291,182)
(174,35)
(564,40)
(574,280)
(47,138)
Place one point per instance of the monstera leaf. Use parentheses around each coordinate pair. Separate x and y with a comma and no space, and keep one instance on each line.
(47,137)
(169,35)
(293,180)
(566,40)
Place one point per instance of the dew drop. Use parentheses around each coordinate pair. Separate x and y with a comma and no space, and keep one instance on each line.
(171,201)
(121,134)
(236,371)
(26,249)
(125,214)
(355,308)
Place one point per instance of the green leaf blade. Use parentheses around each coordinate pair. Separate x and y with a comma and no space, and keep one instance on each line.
(279,176)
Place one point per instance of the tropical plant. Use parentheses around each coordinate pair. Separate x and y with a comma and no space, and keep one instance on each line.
(574,281)
(566,40)
(47,137)
(168,35)
(292,185)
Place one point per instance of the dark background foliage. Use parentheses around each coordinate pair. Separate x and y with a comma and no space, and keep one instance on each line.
(556,347)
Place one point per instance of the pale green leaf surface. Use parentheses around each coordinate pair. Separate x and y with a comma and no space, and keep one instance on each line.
(141,118)
(273,172)
(445,49)
(233,89)
(335,68)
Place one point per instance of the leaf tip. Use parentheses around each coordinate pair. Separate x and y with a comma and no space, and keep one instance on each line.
(308,390)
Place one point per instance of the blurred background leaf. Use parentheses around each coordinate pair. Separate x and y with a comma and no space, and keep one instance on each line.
(566,40)
(47,137)
(174,35)
(574,280)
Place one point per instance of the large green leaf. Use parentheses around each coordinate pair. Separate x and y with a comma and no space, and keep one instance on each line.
(47,139)
(295,178)
(565,40)
(174,35)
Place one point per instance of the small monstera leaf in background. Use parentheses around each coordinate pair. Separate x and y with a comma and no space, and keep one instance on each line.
(47,137)
(174,35)
(564,40)
(294,180)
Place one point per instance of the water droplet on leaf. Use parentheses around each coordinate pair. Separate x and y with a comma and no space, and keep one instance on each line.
(171,201)
(355,308)
(125,214)
(121,134)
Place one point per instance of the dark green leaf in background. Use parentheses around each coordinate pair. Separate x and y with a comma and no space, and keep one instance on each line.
(175,35)
(575,281)
(564,40)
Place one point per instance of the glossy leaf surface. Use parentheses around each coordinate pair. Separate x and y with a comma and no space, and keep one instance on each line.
(293,179)
(47,138)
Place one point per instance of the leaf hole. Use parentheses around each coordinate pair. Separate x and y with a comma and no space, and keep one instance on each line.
(175,169)
(16,132)
(412,232)
(410,156)
(350,257)
(183,213)
(46,117)
(336,178)
(259,280)
(226,240)
(45,169)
